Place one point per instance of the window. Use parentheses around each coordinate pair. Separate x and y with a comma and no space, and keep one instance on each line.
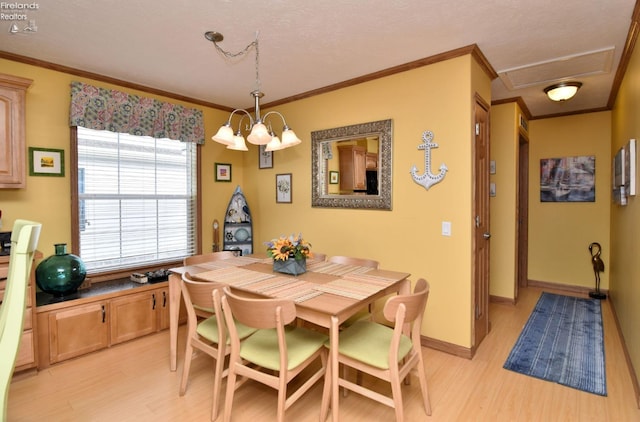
(136,200)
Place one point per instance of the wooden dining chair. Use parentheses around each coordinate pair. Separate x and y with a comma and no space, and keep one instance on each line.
(207,257)
(319,256)
(24,239)
(366,313)
(209,335)
(350,260)
(386,353)
(275,354)
(201,259)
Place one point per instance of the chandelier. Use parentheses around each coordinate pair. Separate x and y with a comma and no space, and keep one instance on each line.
(261,130)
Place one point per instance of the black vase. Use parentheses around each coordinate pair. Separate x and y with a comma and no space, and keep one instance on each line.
(62,273)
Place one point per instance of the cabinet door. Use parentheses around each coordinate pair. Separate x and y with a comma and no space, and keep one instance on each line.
(12,131)
(353,172)
(359,169)
(134,315)
(163,309)
(78,330)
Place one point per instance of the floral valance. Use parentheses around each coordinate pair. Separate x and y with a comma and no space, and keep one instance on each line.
(116,111)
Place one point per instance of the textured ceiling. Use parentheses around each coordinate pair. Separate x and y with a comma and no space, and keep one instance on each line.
(310,44)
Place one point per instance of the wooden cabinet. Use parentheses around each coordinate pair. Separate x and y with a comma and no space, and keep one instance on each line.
(138,314)
(27,356)
(371,160)
(80,326)
(12,131)
(353,171)
(75,331)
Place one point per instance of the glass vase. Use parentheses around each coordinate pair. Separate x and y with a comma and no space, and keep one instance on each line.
(60,274)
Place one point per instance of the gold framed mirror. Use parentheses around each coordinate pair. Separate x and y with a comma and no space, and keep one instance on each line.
(351,166)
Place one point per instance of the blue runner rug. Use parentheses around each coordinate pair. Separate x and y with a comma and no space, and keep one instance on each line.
(563,342)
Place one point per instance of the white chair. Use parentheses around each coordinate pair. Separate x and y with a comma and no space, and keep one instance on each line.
(274,355)
(383,352)
(24,239)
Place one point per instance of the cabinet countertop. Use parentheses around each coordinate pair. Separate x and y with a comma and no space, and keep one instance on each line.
(102,290)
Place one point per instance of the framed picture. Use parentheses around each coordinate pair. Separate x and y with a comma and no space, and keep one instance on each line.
(265,158)
(568,179)
(334,177)
(223,172)
(46,162)
(283,188)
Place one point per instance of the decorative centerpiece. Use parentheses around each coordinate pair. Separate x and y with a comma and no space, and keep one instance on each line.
(289,254)
(62,273)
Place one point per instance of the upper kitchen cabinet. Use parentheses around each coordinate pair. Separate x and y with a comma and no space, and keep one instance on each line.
(12,131)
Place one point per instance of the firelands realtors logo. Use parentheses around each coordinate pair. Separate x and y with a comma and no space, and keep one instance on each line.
(18,14)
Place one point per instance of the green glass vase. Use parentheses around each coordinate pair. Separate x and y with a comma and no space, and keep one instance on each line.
(60,274)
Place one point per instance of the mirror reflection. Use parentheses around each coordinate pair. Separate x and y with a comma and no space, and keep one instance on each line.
(351,166)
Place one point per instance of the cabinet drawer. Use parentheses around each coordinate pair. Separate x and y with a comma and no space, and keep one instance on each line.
(26,354)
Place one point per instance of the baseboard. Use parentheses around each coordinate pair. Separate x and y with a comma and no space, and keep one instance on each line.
(443,346)
(501,300)
(632,372)
(563,287)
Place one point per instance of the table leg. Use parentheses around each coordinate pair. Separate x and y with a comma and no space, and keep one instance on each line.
(334,332)
(174,312)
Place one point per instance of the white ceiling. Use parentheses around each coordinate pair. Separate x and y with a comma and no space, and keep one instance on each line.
(310,44)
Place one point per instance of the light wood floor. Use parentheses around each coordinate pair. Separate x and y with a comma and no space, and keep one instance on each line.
(132,382)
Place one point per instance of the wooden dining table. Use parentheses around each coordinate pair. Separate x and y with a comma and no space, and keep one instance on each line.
(326,295)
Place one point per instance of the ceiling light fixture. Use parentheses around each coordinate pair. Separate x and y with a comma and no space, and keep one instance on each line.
(261,130)
(562,91)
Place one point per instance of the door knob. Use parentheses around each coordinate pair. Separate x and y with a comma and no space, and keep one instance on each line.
(486,235)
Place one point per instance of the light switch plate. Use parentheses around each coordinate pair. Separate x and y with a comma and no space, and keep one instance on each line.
(446,228)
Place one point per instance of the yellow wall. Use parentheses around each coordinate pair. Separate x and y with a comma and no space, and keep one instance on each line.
(47,199)
(624,285)
(408,238)
(504,151)
(438,97)
(560,233)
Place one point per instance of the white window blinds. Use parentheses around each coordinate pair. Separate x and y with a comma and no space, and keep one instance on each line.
(137,199)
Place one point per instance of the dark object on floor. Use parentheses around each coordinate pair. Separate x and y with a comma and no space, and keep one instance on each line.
(598,267)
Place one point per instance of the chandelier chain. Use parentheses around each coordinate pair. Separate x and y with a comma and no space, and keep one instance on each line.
(243,52)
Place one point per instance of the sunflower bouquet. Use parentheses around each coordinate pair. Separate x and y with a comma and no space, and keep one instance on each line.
(283,248)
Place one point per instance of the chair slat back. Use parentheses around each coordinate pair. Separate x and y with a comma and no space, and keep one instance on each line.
(198,293)
(260,313)
(207,257)
(414,303)
(350,260)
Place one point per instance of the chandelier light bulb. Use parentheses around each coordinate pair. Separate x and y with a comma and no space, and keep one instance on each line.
(224,135)
(238,143)
(289,138)
(274,144)
(259,134)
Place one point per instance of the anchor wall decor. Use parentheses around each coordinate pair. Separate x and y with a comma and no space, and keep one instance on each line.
(428,179)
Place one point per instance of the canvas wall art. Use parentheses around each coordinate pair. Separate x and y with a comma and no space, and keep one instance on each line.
(568,179)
